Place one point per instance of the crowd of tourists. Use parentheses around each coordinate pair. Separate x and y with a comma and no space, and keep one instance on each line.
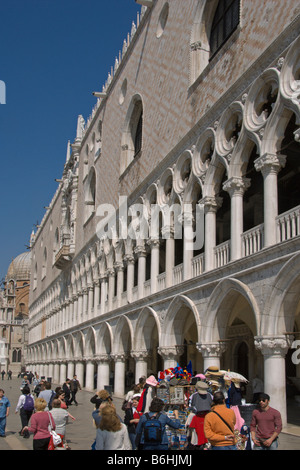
(209,417)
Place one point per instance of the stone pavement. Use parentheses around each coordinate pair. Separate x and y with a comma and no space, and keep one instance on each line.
(81,433)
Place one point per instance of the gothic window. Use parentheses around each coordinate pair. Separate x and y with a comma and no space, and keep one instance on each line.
(138,136)
(225,21)
(90,194)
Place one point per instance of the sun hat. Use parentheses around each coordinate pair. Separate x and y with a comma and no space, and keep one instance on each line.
(152,381)
(213,371)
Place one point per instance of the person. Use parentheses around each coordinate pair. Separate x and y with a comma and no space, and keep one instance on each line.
(266,425)
(155,413)
(39,423)
(219,433)
(47,393)
(97,413)
(74,386)
(201,400)
(25,382)
(111,433)
(3,374)
(99,397)
(60,395)
(4,411)
(131,419)
(25,406)
(148,394)
(9,375)
(60,417)
(67,390)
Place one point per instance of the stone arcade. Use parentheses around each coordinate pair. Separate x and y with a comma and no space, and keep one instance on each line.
(189,115)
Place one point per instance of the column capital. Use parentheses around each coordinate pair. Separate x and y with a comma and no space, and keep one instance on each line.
(170,352)
(141,355)
(211,349)
(236,185)
(211,203)
(129,259)
(270,163)
(102,358)
(119,357)
(273,345)
(119,266)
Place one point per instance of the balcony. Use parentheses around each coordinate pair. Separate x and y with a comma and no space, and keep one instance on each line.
(63,257)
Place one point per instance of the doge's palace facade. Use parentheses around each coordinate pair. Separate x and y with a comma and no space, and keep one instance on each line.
(199,118)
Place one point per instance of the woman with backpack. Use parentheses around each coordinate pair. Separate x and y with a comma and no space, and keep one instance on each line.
(151,428)
(26,407)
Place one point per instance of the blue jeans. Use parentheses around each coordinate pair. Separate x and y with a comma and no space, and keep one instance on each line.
(2,426)
(273,446)
(223,448)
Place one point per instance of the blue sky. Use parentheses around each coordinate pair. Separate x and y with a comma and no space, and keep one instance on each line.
(53,55)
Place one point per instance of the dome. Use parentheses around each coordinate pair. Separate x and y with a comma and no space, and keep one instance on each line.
(20,267)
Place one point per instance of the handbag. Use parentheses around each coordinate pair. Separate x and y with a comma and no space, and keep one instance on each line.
(56,439)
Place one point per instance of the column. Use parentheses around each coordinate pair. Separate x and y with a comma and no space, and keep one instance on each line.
(270,165)
(85,303)
(56,376)
(168,234)
(90,372)
(154,246)
(119,268)
(211,353)
(90,301)
(211,205)
(141,254)
(79,371)
(96,295)
(188,242)
(103,289)
(111,287)
(80,306)
(274,349)
(62,372)
(70,369)
(170,355)
(236,187)
(103,370)
(130,276)
(141,364)
(119,359)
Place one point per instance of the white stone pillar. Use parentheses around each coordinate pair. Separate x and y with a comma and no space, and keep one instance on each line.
(85,304)
(79,371)
(70,369)
(188,243)
(90,301)
(141,254)
(236,187)
(89,376)
(140,363)
(103,371)
(119,389)
(96,295)
(130,276)
(80,307)
(119,268)
(154,245)
(168,234)
(211,205)
(62,372)
(103,281)
(211,353)
(111,287)
(270,165)
(274,349)
(56,376)
(171,355)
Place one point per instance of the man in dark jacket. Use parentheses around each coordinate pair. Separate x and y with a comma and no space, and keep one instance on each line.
(74,386)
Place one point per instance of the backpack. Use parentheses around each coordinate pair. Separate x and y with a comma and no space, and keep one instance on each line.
(29,403)
(153,430)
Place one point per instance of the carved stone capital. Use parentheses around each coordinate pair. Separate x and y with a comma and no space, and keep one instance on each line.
(272,345)
(211,349)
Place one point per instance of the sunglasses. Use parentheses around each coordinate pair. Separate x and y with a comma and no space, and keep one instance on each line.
(262,400)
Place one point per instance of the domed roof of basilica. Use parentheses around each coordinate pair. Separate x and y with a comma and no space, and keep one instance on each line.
(20,267)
